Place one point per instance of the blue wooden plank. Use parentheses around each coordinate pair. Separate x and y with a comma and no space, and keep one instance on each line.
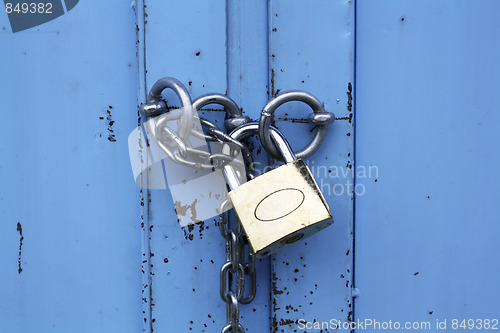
(427,116)
(248,78)
(65,174)
(185,41)
(311,48)
(211,47)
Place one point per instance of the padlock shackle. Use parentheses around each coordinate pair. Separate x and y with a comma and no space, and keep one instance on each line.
(278,139)
(241,132)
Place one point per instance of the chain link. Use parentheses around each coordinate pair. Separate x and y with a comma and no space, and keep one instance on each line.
(182,152)
(238,269)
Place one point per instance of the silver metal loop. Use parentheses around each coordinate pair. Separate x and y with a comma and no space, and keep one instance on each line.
(267,115)
(178,150)
(192,164)
(252,272)
(235,252)
(228,329)
(234,317)
(173,141)
(223,137)
(253,128)
(204,100)
(234,272)
(235,118)
(223,219)
(224,272)
(206,123)
(186,121)
(232,123)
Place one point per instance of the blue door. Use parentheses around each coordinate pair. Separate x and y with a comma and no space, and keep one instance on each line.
(408,168)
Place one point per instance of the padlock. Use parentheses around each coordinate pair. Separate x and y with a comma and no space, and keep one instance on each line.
(281,206)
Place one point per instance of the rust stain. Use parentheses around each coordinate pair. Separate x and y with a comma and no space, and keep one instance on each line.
(276,291)
(273,93)
(306,120)
(284,322)
(349,100)
(21,239)
(169,108)
(111,122)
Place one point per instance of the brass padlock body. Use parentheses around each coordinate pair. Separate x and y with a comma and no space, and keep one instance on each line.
(280,207)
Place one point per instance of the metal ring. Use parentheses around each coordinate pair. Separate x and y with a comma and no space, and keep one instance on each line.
(186,121)
(225,270)
(173,139)
(226,205)
(250,271)
(228,328)
(268,112)
(204,123)
(286,154)
(236,118)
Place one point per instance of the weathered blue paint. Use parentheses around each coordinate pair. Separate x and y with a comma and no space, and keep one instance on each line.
(427,116)
(311,48)
(186,41)
(65,175)
(426,213)
(210,47)
(218,46)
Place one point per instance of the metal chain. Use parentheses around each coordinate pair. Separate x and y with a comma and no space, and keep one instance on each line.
(182,152)
(238,272)
(238,269)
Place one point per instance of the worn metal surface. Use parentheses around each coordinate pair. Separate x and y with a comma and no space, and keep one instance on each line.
(69,258)
(427,115)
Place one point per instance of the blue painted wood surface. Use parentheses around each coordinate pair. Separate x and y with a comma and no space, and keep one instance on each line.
(426,135)
(231,46)
(427,115)
(311,48)
(68,92)
(210,47)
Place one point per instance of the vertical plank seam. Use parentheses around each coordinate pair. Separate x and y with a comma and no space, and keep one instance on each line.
(353,227)
(270,91)
(143,194)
